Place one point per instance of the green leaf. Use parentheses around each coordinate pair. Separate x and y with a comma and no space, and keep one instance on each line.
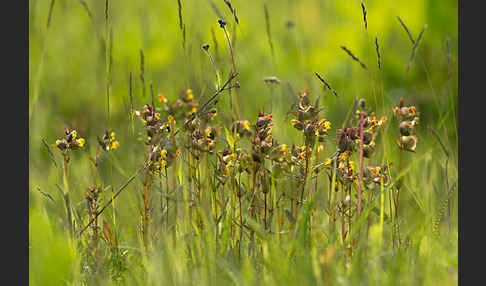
(229,138)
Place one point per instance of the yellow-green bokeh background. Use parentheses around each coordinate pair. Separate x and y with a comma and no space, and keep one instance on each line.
(67,82)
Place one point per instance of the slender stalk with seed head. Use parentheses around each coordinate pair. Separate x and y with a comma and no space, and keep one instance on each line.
(222,24)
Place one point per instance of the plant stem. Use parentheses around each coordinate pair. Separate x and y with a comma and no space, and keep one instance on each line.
(360,180)
(234,71)
(399,185)
(343,222)
(166,201)
(307,159)
(67,199)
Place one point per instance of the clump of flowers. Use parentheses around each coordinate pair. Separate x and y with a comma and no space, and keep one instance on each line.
(281,156)
(181,107)
(162,156)
(308,122)
(262,142)
(227,162)
(375,176)
(160,137)
(202,135)
(370,127)
(108,140)
(346,139)
(152,123)
(346,169)
(242,128)
(407,121)
(71,141)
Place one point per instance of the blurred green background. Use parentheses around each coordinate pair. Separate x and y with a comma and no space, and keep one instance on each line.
(67,81)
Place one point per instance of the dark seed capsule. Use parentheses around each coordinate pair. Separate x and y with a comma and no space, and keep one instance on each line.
(309,130)
(367,137)
(221,23)
(368,150)
(405,128)
(353,133)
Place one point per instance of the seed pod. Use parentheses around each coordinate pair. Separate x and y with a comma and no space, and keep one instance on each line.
(409,142)
(342,140)
(353,133)
(309,131)
(297,124)
(221,23)
(304,115)
(266,147)
(61,144)
(255,157)
(304,98)
(407,112)
(313,112)
(405,128)
(369,149)
(367,137)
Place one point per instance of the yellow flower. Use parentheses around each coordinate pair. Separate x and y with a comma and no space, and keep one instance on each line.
(163,163)
(157,116)
(74,134)
(412,109)
(212,114)
(344,156)
(327,125)
(415,121)
(320,148)
(294,122)
(382,120)
(189,94)
(246,124)
(351,164)
(163,153)
(112,135)
(80,142)
(377,170)
(162,98)
(228,170)
(194,109)
(327,161)
(58,142)
(207,132)
(283,147)
(115,144)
